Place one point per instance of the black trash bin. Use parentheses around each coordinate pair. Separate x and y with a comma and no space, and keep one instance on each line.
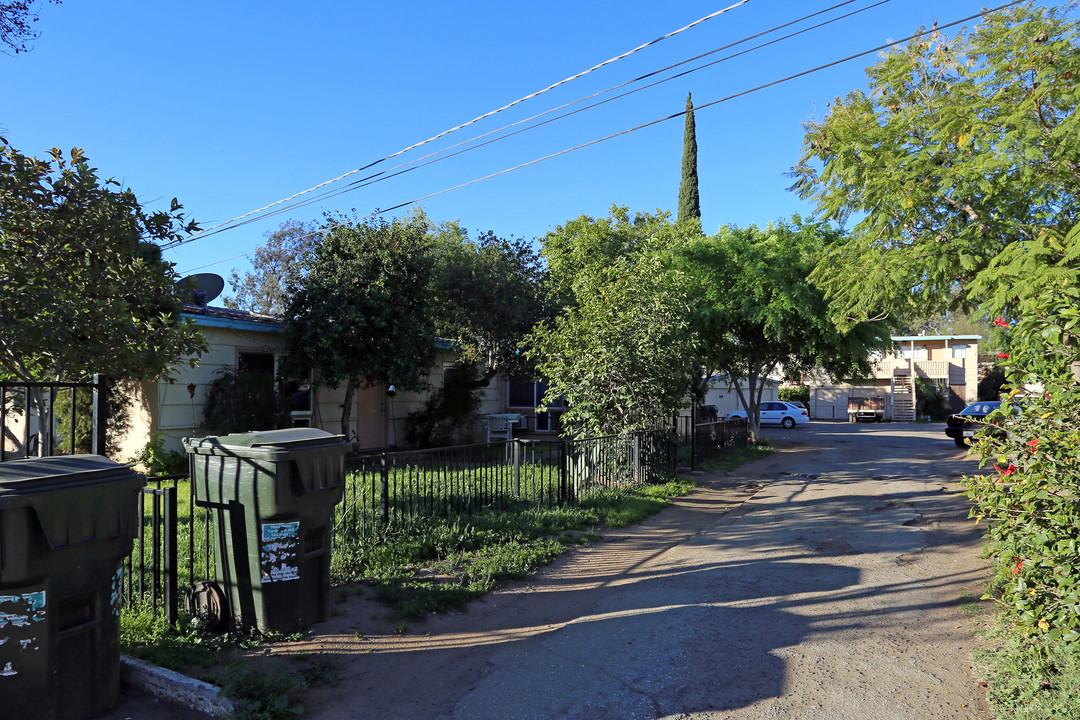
(66,525)
(272,496)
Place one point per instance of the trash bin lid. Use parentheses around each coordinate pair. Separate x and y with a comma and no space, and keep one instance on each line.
(76,498)
(31,476)
(267,443)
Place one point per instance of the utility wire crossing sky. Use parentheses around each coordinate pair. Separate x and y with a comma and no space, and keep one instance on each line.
(228,109)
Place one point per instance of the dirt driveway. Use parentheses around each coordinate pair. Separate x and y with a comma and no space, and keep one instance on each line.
(826,581)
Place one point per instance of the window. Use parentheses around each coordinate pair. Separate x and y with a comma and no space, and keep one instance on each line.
(264,366)
(959,351)
(526,393)
(907,352)
(300,400)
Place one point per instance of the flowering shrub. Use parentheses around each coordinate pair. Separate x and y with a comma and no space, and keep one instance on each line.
(1029,491)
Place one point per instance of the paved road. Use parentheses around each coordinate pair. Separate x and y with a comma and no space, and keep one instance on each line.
(822,582)
(832,592)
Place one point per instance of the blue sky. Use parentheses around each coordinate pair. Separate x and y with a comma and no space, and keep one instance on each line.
(232,106)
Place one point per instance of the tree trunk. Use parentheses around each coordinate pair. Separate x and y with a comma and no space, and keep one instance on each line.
(346,406)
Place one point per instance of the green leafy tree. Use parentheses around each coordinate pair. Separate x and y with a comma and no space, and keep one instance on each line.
(83,286)
(756,314)
(361,314)
(487,294)
(1028,495)
(624,356)
(586,246)
(959,163)
(689,200)
(445,417)
(276,264)
(239,400)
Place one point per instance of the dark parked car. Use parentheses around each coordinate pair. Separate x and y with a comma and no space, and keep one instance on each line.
(960,426)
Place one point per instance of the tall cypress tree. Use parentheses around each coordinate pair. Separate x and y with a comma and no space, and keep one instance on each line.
(689,202)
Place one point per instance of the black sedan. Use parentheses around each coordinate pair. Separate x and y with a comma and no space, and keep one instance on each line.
(960,426)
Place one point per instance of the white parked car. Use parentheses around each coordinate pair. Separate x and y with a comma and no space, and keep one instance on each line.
(779,413)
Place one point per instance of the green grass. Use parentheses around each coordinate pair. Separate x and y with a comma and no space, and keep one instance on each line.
(1028,678)
(734,457)
(428,565)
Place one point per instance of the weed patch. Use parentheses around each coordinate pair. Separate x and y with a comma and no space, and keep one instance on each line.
(429,565)
(1029,677)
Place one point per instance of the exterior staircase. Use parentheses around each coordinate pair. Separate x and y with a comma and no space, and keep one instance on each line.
(903,399)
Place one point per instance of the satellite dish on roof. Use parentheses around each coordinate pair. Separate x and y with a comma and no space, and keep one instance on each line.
(205,287)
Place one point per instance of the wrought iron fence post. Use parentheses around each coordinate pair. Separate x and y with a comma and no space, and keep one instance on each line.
(636,450)
(517,467)
(564,479)
(384,501)
(693,444)
(99,420)
(172,599)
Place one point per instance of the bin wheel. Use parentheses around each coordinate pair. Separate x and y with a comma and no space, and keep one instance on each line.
(206,602)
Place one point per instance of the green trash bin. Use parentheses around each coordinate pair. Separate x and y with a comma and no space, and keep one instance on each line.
(66,525)
(272,496)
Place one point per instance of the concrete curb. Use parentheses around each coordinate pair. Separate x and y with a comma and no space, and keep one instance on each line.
(174,687)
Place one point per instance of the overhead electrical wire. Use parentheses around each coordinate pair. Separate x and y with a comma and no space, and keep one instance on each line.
(441,155)
(488,114)
(757,88)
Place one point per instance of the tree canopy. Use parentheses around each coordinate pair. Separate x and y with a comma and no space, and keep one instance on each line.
(83,287)
(275,265)
(755,313)
(623,356)
(959,164)
(360,315)
(487,294)
(376,295)
(689,198)
(585,246)
(620,351)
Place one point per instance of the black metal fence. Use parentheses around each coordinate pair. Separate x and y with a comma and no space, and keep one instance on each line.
(174,548)
(701,441)
(52,418)
(712,439)
(385,488)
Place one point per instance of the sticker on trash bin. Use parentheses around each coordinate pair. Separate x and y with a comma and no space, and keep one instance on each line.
(279,558)
(116,591)
(18,616)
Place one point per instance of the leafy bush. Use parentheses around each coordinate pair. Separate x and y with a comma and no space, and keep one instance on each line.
(118,418)
(796,393)
(239,401)
(990,385)
(1030,498)
(445,418)
(931,399)
(159,461)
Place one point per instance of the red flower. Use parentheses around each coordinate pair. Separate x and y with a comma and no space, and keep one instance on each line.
(999,322)
(1019,567)
(1033,444)
(1010,470)
(1003,356)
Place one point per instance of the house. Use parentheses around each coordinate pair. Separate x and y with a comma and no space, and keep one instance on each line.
(950,361)
(252,341)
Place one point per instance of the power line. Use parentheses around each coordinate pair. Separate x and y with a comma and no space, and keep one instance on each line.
(757,88)
(476,119)
(418,162)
